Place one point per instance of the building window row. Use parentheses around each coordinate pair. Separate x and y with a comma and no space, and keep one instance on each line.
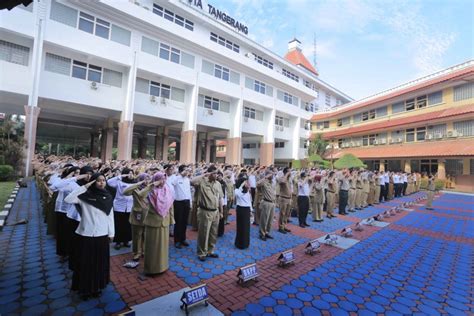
(287,98)
(322,125)
(279,144)
(224,42)
(310,107)
(328,99)
(418,102)
(303,143)
(251,113)
(213,104)
(344,121)
(89,23)
(172,17)
(263,61)
(160,90)
(14,53)
(281,122)
(249,146)
(81,70)
(220,72)
(258,86)
(370,115)
(290,75)
(464,91)
(167,52)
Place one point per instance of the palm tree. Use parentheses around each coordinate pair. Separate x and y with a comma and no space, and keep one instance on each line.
(317,146)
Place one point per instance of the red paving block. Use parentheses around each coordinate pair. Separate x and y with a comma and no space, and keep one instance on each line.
(432,234)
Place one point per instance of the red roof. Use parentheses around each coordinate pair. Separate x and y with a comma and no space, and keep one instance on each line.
(422,117)
(296,57)
(386,97)
(445,148)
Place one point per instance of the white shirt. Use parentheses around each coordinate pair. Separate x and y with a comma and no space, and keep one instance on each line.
(62,186)
(52,180)
(182,188)
(381,180)
(405,178)
(386,178)
(243,199)
(303,188)
(252,181)
(94,222)
(122,203)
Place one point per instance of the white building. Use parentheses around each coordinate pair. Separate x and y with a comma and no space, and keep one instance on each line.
(139,75)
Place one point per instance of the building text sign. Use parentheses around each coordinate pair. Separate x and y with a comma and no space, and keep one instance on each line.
(221,16)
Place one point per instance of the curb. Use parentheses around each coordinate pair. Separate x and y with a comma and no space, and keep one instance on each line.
(6,209)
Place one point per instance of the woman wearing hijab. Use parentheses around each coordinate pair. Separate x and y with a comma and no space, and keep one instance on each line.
(243,200)
(92,268)
(157,223)
(122,207)
(140,207)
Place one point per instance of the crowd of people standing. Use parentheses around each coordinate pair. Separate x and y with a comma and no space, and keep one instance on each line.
(89,203)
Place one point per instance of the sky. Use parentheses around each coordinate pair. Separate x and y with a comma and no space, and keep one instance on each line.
(364,46)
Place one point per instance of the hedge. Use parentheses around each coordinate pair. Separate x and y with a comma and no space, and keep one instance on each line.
(439,184)
(6,172)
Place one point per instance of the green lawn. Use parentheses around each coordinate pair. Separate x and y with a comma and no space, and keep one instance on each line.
(5,191)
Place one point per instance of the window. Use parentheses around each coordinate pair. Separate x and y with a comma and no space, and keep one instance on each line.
(263,61)
(398,107)
(86,22)
(464,92)
(328,99)
(288,98)
(279,144)
(278,120)
(170,53)
(259,87)
(290,75)
(365,140)
(435,98)
(58,64)
(410,105)
(365,116)
(429,166)
(14,53)
(211,103)
(160,90)
(221,72)
(93,25)
(421,102)
(372,139)
(410,135)
(464,128)
(249,113)
(371,114)
(94,73)
(172,17)
(102,28)
(249,146)
(79,70)
(226,43)
(339,122)
(420,133)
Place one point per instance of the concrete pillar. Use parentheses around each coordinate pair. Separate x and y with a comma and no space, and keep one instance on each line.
(199,150)
(94,145)
(266,154)
(187,147)
(296,139)
(165,144)
(466,167)
(125,140)
(233,154)
(267,148)
(107,140)
(441,169)
(158,144)
(407,166)
(207,158)
(382,165)
(31,122)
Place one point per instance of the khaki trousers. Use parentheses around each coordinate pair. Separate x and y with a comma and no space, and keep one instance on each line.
(377,194)
(429,200)
(285,205)
(208,223)
(267,211)
(316,209)
(358,199)
(138,239)
(331,203)
(352,199)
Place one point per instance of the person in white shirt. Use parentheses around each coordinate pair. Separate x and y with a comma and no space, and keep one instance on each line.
(96,228)
(181,204)
(303,200)
(123,205)
(404,183)
(243,199)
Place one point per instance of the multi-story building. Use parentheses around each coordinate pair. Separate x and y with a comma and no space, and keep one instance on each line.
(140,75)
(426,125)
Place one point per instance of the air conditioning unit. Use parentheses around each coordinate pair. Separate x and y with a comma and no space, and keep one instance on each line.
(429,136)
(246,119)
(454,134)
(210,112)
(438,135)
(376,142)
(399,140)
(163,101)
(94,85)
(152,98)
(391,141)
(307,108)
(383,141)
(357,143)
(320,127)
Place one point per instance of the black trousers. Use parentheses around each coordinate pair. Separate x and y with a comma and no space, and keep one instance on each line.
(382,193)
(405,185)
(398,189)
(343,198)
(385,192)
(303,208)
(325,205)
(252,193)
(242,234)
(181,214)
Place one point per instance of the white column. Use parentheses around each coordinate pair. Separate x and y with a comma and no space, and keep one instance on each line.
(188,133)
(32,112)
(269,121)
(296,139)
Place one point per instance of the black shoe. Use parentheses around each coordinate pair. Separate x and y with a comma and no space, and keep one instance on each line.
(305,224)
(287,230)
(126,244)
(269,236)
(117,246)
(262,238)
(178,245)
(302,226)
(185,243)
(212,255)
(254,223)
(282,231)
(202,258)
(320,220)
(315,220)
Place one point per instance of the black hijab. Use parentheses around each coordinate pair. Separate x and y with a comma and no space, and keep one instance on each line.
(84,170)
(99,198)
(127,179)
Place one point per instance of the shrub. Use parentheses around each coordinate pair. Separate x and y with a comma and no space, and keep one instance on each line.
(6,172)
(296,164)
(349,161)
(439,184)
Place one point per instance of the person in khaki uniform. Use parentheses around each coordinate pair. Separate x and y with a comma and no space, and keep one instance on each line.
(256,203)
(138,213)
(157,224)
(230,194)
(209,211)
(358,199)
(410,185)
(430,193)
(331,195)
(371,196)
(365,189)
(377,187)
(284,200)
(317,199)
(266,205)
(352,191)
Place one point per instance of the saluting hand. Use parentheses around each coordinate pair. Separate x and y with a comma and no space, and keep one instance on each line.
(87,185)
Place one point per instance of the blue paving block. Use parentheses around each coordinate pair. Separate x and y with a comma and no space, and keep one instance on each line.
(115,306)
(279,295)
(60,303)
(355,299)
(348,306)
(95,312)
(310,311)
(305,297)
(283,310)
(267,301)
(457,305)
(8,307)
(329,298)
(58,293)
(255,309)
(57,285)
(66,311)
(9,290)
(109,297)
(320,304)
(35,310)
(374,307)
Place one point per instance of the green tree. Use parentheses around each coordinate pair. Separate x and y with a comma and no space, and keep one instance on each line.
(317,146)
(11,141)
(349,161)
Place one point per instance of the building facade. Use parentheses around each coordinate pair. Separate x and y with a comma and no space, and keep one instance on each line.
(426,125)
(136,76)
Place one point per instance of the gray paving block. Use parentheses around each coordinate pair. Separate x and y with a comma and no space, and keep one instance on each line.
(7,206)
(169,305)
(4,213)
(342,242)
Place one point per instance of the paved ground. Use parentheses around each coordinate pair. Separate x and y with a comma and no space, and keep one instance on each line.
(422,263)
